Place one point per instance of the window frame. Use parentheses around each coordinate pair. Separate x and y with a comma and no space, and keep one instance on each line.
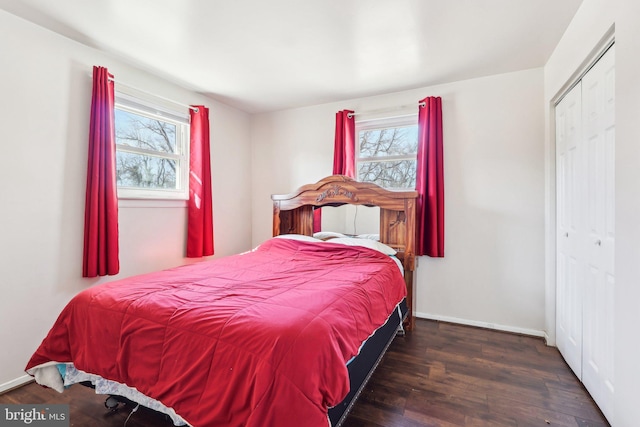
(384,123)
(157,109)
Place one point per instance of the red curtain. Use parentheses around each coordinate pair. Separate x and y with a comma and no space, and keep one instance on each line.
(430,180)
(100,257)
(344,154)
(200,210)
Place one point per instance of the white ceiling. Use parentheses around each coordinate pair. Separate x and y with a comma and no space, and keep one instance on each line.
(265,55)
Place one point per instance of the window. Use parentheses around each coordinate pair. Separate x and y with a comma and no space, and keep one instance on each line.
(387,152)
(152,160)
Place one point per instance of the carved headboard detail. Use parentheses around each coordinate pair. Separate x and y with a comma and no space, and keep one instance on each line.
(293,214)
(337,190)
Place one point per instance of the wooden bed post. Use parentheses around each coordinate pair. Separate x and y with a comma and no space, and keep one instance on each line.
(276,218)
(410,264)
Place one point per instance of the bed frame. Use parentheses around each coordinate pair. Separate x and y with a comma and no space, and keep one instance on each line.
(293,214)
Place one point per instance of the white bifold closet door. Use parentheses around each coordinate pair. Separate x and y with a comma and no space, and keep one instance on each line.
(570,264)
(585,158)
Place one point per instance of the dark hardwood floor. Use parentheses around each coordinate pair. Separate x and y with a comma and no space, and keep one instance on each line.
(439,375)
(451,375)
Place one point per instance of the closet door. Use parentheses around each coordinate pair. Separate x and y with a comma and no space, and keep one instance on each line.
(598,118)
(585,281)
(570,263)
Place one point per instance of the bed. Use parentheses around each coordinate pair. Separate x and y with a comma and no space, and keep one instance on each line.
(286,332)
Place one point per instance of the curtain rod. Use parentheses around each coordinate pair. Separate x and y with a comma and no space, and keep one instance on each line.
(155,96)
(386,110)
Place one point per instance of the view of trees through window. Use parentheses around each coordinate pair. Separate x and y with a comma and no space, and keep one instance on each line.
(146,152)
(387,156)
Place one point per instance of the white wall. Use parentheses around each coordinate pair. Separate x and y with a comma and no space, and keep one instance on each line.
(493,271)
(46,95)
(591,23)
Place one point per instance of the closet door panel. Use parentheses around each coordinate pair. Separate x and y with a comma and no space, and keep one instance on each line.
(599,136)
(569,260)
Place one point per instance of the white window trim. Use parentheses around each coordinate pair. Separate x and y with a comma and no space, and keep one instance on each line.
(152,203)
(156,106)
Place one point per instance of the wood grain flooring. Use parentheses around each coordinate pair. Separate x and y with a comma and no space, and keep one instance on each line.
(441,375)
(451,375)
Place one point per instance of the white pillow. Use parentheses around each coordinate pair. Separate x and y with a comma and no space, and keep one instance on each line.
(367,243)
(369,236)
(301,237)
(326,235)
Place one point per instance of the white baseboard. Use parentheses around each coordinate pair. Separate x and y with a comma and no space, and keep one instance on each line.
(20,381)
(487,325)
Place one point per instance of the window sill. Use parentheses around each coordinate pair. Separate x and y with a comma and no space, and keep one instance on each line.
(151,203)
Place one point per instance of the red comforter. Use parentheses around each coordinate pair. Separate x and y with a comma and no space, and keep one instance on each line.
(259,339)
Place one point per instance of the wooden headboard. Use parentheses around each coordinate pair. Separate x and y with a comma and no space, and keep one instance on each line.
(293,214)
